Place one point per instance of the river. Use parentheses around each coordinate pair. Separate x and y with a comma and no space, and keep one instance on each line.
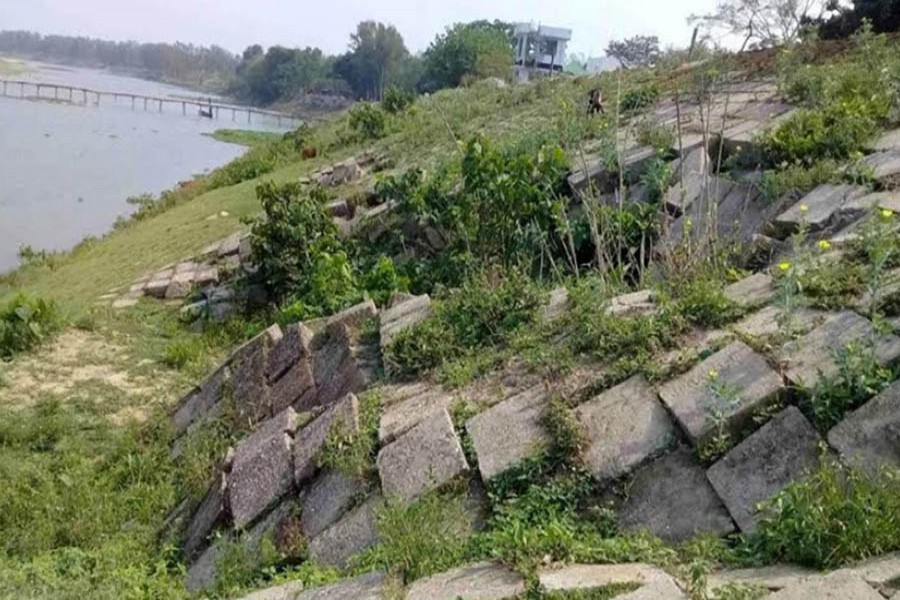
(66,171)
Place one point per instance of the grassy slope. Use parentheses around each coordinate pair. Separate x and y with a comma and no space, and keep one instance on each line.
(422,138)
(145,338)
(123,256)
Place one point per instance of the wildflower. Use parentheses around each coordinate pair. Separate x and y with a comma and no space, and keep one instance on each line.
(887,213)
(804,208)
(824,245)
(784,266)
(713,374)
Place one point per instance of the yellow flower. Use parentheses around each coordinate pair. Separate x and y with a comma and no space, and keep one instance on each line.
(784,266)
(804,208)
(824,245)
(713,374)
(887,213)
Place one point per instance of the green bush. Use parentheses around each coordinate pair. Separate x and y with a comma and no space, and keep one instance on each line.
(290,238)
(298,138)
(640,97)
(835,517)
(836,131)
(25,322)
(368,120)
(507,210)
(396,101)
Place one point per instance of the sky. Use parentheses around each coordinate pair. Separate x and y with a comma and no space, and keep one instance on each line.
(236,24)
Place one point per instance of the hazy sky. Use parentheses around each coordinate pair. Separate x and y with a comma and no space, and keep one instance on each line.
(236,24)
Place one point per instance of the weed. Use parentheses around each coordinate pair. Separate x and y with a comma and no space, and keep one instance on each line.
(878,244)
(354,454)
(541,522)
(485,311)
(289,238)
(656,136)
(460,412)
(422,538)
(179,354)
(568,436)
(726,397)
(735,591)
(799,178)
(836,516)
(656,179)
(25,322)
(859,377)
(702,301)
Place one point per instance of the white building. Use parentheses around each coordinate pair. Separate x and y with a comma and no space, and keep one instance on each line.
(539,49)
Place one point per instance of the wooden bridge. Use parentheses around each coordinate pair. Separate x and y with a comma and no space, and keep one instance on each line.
(51,92)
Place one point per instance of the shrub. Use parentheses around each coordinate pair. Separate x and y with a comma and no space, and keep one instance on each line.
(25,322)
(396,100)
(290,237)
(836,131)
(298,138)
(637,98)
(799,178)
(368,121)
(834,517)
(381,280)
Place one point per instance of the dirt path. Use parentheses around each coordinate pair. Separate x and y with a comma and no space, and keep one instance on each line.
(80,366)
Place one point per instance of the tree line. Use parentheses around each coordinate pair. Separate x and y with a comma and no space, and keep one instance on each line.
(377,59)
(198,66)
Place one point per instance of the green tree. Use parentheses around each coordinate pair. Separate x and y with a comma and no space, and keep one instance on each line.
(280,73)
(377,53)
(637,51)
(478,49)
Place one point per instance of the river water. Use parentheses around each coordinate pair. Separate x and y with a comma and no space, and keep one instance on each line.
(66,171)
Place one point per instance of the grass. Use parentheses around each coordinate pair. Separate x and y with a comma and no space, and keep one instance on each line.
(426,537)
(837,516)
(245,137)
